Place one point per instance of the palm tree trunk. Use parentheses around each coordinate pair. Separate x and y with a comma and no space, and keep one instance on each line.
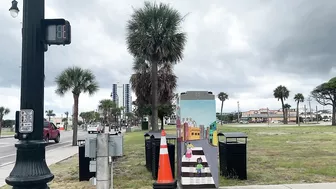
(0,125)
(49,118)
(154,118)
(75,120)
(66,123)
(221,117)
(162,124)
(297,114)
(333,117)
(283,112)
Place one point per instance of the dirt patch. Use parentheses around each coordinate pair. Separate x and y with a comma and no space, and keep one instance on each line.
(272,133)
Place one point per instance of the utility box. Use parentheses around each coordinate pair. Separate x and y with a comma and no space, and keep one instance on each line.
(93,166)
(116,143)
(90,147)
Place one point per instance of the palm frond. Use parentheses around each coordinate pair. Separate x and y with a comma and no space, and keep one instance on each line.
(153,32)
(76,80)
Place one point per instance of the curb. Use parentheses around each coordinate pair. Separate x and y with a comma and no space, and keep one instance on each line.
(9,136)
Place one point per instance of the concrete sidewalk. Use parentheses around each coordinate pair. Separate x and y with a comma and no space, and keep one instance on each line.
(6,136)
(52,156)
(287,186)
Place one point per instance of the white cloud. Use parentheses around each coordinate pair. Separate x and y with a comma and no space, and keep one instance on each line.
(244,48)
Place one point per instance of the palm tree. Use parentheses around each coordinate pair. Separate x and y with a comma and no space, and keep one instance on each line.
(3,111)
(287,108)
(282,93)
(67,118)
(50,113)
(153,34)
(141,84)
(106,106)
(298,98)
(76,80)
(222,97)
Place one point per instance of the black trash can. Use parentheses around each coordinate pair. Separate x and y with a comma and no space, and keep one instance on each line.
(148,151)
(152,151)
(156,156)
(232,155)
(144,125)
(84,165)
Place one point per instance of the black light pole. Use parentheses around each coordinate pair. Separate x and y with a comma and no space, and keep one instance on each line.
(30,170)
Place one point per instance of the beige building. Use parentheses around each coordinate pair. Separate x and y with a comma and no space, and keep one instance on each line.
(58,120)
(265,115)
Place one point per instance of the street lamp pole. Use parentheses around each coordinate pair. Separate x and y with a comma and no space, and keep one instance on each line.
(30,170)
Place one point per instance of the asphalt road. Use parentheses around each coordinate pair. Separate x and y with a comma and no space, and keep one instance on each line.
(8,150)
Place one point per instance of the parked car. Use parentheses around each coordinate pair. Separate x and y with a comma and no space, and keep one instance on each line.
(51,132)
(326,120)
(95,128)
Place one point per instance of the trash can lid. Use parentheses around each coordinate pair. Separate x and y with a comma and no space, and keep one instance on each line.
(233,135)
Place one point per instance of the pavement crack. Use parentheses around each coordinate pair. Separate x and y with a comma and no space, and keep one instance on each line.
(287,186)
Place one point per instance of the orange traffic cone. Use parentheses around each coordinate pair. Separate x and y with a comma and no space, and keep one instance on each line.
(165,175)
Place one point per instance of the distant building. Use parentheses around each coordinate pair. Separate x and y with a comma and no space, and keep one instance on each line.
(58,121)
(121,95)
(265,115)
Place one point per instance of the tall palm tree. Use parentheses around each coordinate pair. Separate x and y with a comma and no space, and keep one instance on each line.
(3,111)
(153,33)
(76,80)
(222,97)
(298,98)
(282,93)
(106,106)
(50,113)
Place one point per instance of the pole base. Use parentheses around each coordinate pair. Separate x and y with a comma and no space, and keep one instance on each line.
(30,170)
(172,185)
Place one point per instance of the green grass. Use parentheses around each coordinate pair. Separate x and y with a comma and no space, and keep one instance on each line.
(288,155)
(275,156)
(3,133)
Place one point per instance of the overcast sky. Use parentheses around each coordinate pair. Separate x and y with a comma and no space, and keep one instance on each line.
(245,48)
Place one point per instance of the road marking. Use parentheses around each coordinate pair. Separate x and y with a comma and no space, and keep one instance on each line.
(8,163)
(7,156)
(47,147)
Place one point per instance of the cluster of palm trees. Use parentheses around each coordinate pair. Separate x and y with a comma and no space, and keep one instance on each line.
(155,41)
(3,111)
(282,93)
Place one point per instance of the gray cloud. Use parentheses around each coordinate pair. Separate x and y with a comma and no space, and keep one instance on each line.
(291,40)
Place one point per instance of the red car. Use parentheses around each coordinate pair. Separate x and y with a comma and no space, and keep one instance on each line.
(51,132)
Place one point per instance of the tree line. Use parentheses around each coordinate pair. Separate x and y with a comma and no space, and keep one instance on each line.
(324,94)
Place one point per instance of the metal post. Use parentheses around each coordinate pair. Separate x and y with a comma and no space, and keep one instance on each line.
(111,173)
(317,117)
(238,111)
(305,109)
(310,112)
(103,168)
(268,121)
(30,170)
